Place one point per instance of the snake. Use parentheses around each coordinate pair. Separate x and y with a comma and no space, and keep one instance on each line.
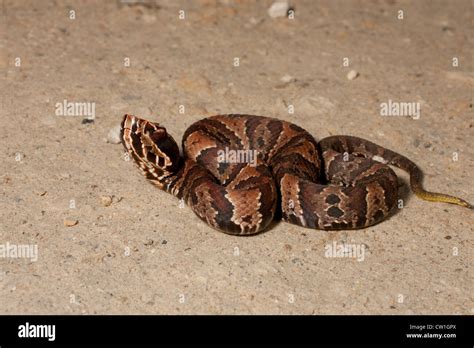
(240,172)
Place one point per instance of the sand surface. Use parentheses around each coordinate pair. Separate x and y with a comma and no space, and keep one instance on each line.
(142,253)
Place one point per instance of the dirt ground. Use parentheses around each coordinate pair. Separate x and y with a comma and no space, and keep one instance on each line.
(132,249)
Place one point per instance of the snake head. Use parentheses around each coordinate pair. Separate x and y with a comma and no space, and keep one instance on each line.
(150,145)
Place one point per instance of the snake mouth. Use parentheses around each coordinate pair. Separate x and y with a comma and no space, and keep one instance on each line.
(137,124)
(129,121)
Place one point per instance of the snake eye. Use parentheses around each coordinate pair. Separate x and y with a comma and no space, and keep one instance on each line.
(161,161)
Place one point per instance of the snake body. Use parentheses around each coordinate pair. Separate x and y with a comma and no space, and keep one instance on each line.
(340,182)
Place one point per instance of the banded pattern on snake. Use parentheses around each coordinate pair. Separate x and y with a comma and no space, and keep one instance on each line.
(340,182)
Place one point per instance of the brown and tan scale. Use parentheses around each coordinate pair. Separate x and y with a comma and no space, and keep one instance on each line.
(342,182)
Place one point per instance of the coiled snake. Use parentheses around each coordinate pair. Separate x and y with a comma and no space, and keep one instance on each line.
(342,182)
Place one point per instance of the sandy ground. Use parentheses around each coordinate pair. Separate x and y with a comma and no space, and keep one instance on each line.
(145,254)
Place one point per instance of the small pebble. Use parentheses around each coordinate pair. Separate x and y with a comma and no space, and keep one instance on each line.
(149,242)
(87,121)
(40,193)
(286,78)
(279,9)
(106,200)
(113,137)
(254,21)
(352,75)
(70,222)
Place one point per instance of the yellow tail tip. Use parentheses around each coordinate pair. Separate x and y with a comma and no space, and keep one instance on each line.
(440,197)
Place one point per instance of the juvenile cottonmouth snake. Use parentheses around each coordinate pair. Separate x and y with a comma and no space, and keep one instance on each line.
(342,182)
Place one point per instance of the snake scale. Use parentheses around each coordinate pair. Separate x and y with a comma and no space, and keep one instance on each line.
(340,182)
